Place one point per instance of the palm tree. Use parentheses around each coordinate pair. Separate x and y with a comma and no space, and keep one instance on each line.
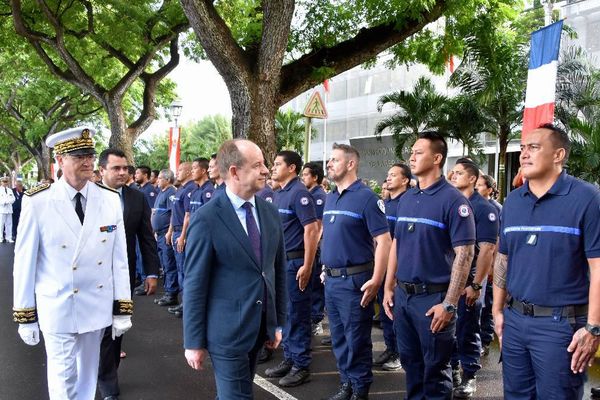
(494,72)
(289,128)
(419,110)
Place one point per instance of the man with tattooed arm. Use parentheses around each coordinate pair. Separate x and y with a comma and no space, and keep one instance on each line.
(547,275)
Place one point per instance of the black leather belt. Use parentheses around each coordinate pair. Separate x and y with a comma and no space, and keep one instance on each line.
(292,255)
(533,310)
(351,270)
(419,288)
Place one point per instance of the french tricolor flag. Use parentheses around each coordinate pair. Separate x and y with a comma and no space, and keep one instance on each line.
(541,78)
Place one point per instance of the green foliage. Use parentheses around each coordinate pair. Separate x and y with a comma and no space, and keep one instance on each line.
(418,111)
(289,128)
(203,138)
(153,152)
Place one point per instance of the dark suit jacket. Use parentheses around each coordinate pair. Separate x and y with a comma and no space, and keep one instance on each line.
(224,283)
(136,217)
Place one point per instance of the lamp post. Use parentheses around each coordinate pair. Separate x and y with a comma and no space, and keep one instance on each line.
(174,146)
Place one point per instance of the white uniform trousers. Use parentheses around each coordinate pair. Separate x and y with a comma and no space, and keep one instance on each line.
(73,364)
(6,226)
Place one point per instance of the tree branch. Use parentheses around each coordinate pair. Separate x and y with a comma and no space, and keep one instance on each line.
(297,76)
(215,37)
(276,30)
(90,20)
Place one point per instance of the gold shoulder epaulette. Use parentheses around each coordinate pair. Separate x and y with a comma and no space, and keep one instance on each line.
(37,189)
(106,187)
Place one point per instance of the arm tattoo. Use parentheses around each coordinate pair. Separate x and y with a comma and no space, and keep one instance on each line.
(500,268)
(460,272)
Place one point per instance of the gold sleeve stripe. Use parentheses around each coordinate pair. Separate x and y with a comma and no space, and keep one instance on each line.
(25,315)
(123,307)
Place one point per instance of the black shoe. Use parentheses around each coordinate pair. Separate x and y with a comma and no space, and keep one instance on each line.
(344,392)
(175,309)
(485,349)
(296,377)
(596,392)
(356,396)
(140,290)
(467,388)
(264,355)
(111,398)
(280,370)
(166,300)
(456,378)
(326,341)
(383,357)
(393,364)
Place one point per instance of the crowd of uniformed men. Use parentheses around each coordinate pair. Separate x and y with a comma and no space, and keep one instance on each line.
(424,251)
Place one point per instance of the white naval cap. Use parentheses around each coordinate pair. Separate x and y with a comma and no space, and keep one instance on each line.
(72,141)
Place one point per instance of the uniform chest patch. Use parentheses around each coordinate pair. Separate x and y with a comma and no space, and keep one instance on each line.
(492,217)
(208,195)
(381,205)
(152,194)
(269,199)
(464,210)
(304,201)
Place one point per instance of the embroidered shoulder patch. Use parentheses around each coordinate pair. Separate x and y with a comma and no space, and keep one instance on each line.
(37,189)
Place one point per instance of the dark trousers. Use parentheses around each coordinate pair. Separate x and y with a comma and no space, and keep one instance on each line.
(169,265)
(317,291)
(179,259)
(487,320)
(389,337)
(15,220)
(139,265)
(535,361)
(234,372)
(425,355)
(467,346)
(350,326)
(297,330)
(110,358)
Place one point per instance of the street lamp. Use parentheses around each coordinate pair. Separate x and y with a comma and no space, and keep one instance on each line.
(176,107)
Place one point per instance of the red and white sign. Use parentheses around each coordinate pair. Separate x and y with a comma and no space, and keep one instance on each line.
(174,148)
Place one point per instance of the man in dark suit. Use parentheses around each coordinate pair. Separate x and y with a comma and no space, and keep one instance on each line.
(235,292)
(18,191)
(136,217)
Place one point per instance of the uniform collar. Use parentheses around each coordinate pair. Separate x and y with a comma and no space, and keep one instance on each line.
(189,184)
(315,189)
(561,187)
(397,197)
(205,184)
(71,192)
(352,188)
(290,184)
(432,189)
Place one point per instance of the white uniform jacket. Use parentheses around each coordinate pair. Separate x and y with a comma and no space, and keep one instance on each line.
(7,198)
(70,275)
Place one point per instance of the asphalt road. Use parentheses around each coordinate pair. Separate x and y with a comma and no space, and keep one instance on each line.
(155,367)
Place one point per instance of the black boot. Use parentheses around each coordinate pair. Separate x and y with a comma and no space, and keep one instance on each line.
(344,392)
(281,370)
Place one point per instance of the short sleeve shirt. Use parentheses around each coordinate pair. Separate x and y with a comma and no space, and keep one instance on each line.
(351,220)
(430,223)
(150,193)
(181,201)
(161,214)
(486,224)
(296,210)
(266,194)
(319,196)
(548,240)
(391,207)
(200,196)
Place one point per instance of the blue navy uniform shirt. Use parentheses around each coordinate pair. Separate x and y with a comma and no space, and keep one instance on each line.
(296,210)
(161,216)
(319,196)
(486,224)
(350,222)
(219,189)
(430,224)
(266,193)
(200,196)
(548,241)
(391,207)
(150,193)
(182,197)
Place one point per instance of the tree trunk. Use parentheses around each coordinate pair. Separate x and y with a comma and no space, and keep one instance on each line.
(503,142)
(120,136)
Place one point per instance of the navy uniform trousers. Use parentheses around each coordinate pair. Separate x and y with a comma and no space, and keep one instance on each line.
(179,259)
(467,347)
(167,259)
(425,356)
(297,330)
(350,326)
(535,358)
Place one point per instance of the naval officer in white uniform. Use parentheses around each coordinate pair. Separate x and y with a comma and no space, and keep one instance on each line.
(71,277)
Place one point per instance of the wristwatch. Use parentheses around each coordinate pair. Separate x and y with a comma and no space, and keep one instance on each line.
(449,308)
(476,286)
(593,329)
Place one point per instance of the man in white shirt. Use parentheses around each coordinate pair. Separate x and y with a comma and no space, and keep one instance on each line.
(7,198)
